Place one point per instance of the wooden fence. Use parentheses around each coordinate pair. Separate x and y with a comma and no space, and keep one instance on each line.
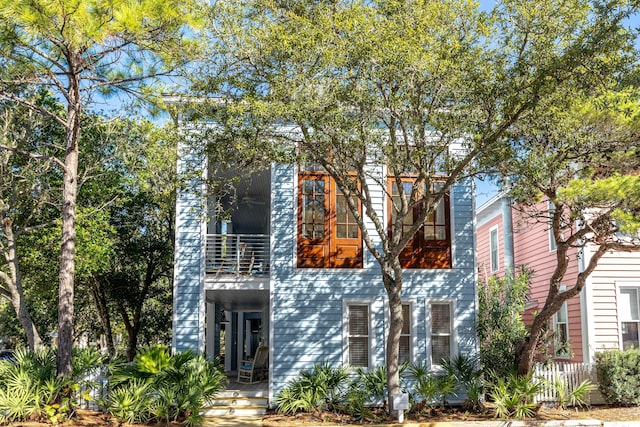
(572,374)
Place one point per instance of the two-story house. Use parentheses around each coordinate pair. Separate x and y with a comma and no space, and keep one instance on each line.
(285,267)
(605,315)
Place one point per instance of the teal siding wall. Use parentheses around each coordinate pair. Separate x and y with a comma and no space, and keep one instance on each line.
(307,305)
(187,285)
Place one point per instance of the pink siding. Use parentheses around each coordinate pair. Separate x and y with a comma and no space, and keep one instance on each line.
(483,248)
(531,247)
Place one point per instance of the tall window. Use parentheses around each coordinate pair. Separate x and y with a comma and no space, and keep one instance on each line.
(552,239)
(430,246)
(628,310)
(358,334)
(561,330)
(493,248)
(441,332)
(405,335)
(328,235)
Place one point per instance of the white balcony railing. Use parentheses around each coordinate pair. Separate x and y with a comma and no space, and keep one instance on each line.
(237,254)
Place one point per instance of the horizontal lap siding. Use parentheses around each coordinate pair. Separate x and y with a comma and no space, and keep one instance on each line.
(484,247)
(531,247)
(188,253)
(307,304)
(614,269)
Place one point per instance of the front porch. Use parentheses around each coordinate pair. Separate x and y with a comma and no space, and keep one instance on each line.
(237,320)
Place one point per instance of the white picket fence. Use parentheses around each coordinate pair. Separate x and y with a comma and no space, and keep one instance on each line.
(93,387)
(572,374)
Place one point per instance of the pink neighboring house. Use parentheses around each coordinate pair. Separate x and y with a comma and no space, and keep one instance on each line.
(605,315)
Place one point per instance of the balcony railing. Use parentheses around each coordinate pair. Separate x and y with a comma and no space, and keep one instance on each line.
(237,254)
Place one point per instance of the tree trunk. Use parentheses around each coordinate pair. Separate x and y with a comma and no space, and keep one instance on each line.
(13,282)
(68,246)
(100,298)
(393,286)
(132,326)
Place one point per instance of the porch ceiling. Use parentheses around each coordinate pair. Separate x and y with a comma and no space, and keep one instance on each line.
(239,300)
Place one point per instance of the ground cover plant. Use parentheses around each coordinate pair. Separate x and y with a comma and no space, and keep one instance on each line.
(30,389)
(159,386)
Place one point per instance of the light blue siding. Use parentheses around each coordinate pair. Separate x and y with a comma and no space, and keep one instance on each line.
(308,304)
(187,289)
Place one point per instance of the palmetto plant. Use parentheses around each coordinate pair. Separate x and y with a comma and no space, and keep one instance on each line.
(164,387)
(513,396)
(315,389)
(433,388)
(29,386)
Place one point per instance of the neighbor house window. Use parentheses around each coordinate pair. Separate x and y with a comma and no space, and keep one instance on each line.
(493,249)
(441,331)
(405,335)
(358,335)
(328,235)
(628,310)
(552,240)
(561,330)
(430,246)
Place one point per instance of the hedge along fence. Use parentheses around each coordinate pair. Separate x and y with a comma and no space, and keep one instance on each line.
(572,374)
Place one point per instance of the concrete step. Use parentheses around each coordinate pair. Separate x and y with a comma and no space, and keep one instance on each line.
(243,393)
(238,403)
(240,411)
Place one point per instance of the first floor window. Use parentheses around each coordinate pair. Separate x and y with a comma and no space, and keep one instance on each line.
(405,335)
(561,330)
(358,334)
(441,332)
(629,317)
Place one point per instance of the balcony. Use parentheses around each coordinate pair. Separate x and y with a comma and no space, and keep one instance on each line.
(237,255)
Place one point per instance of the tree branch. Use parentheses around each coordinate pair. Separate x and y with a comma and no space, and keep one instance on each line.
(35,156)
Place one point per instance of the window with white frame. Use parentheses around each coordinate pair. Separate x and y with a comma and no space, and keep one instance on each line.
(405,335)
(552,239)
(628,310)
(493,248)
(561,330)
(358,334)
(441,331)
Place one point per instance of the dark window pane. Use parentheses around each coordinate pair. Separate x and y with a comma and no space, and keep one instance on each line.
(630,335)
(359,351)
(440,319)
(440,349)
(358,320)
(405,350)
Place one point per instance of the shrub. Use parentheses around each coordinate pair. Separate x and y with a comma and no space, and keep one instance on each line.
(163,387)
(29,387)
(513,395)
(321,387)
(501,302)
(464,370)
(434,389)
(619,376)
(579,396)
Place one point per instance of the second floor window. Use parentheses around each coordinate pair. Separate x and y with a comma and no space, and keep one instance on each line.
(430,246)
(493,246)
(328,235)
